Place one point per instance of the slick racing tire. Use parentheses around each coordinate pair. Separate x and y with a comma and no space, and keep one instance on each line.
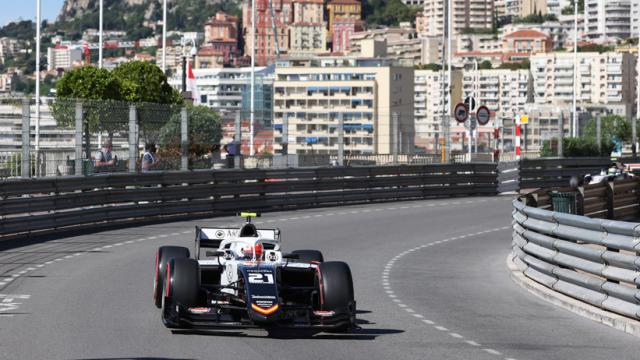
(182,286)
(336,291)
(309,255)
(163,255)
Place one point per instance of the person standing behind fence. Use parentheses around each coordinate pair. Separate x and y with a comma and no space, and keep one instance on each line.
(104,157)
(149,158)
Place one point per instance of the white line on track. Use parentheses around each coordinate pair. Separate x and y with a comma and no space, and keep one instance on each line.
(391,294)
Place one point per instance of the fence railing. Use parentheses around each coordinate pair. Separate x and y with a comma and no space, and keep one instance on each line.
(593,260)
(34,206)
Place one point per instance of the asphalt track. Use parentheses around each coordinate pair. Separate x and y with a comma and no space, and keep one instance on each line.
(430,276)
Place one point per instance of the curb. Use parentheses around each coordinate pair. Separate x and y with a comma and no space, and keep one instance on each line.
(578,307)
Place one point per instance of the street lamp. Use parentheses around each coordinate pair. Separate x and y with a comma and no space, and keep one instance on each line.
(164,36)
(193,53)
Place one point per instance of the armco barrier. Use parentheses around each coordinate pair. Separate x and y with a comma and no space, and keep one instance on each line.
(32,207)
(592,260)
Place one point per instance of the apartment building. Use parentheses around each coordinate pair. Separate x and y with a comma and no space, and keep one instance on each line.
(607,20)
(222,89)
(308,32)
(221,27)
(605,79)
(522,8)
(635,18)
(555,7)
(312,94)
(527,42)
(475,14)
(266,49)
(428,106)
(402,44)
(343,30)
(342,10)
(62,57)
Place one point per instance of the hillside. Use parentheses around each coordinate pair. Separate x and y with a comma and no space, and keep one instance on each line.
(140,18)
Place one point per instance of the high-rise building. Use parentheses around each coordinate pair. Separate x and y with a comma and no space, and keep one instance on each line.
(466,14)
(607,19)
(555,6)
(603,79)
(266,50)
(312,95)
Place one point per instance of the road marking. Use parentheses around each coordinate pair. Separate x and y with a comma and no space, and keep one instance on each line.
(8,304)
(391,294)
(493,352)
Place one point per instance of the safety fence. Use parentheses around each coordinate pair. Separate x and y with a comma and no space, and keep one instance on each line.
(29,207)
(594,258)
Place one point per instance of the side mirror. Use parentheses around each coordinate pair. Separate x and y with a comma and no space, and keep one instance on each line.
(215,253)
(291,256)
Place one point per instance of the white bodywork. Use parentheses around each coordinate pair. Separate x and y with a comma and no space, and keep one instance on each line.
(232,245)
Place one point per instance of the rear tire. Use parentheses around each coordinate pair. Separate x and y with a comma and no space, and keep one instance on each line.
(309,255)
(182,286)
(163,255)
(336,291)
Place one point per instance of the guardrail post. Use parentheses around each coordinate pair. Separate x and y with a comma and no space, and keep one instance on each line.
(184,140)
(340,139)
(133,139)
(599,132)
(285,138)
(610,200)
(560,133)
(26,139)
(394,137)
(78,147)
(580,201)
(237,142)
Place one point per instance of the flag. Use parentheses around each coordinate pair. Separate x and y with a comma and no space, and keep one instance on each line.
(191,84)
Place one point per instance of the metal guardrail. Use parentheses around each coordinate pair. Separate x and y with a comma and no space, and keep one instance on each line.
(593,260)
(35,206)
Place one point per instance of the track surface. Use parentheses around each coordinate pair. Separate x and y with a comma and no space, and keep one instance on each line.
(430,276)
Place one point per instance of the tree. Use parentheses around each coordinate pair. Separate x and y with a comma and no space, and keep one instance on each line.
(613,128)
(144,84)
(388,12)
(205,131)
(485,65)
(432,67)
(99,93)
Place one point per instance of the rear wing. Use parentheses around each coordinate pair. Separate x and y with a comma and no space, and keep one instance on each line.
(211,238)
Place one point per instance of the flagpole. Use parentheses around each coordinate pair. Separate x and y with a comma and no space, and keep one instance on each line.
(100,31)
(38,41)
(253,74)
(164,36)
(574,128)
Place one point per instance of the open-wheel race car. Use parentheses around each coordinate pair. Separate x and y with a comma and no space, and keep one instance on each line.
(239,277)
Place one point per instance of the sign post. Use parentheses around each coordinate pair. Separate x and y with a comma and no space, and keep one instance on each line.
(461,113)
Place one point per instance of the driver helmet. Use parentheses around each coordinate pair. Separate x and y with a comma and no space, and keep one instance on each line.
(249,250)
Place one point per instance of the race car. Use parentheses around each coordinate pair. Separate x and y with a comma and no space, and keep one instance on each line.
(239,277)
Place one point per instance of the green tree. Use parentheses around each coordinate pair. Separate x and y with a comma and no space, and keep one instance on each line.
(432,67)
(99,93)
(388,12)
(144,84)
(613,127)
(485,65)
(205,132)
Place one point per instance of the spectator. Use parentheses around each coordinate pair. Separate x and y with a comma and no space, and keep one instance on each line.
(149,159)
(104,156)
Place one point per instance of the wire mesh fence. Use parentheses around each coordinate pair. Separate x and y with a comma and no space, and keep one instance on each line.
(86,137)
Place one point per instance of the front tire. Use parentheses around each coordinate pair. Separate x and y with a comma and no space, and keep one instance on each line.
(163,255)
(182,286)
(336,291)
